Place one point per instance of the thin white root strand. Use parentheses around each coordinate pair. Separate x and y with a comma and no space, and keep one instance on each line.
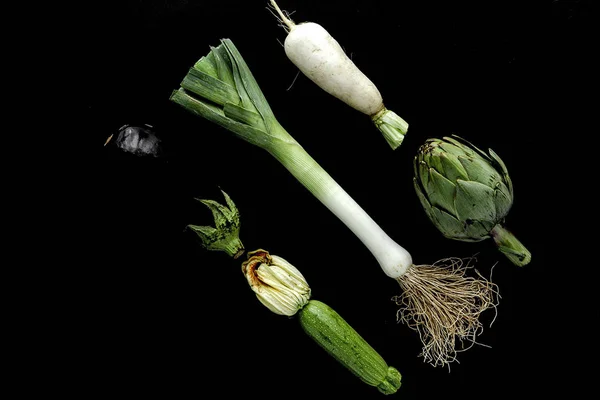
(443,305)
(284,18)
(294,81)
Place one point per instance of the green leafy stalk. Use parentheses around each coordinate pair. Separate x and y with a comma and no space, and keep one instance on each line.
(221,89)
(392,127)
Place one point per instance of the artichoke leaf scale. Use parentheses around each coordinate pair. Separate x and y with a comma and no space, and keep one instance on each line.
(432,159)
(449,225)
(441,192)
(475,203)
(422,198)
(498,161)
(481,171)
(444,222)
(453,169)
(476,231)
(426,205)
(467,147)
(454,149)
(503,200)
(423,174)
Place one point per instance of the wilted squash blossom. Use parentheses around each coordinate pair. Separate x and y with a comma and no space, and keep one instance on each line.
(277,284)
(466,193)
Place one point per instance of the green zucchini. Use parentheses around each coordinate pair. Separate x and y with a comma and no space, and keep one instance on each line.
(326,327)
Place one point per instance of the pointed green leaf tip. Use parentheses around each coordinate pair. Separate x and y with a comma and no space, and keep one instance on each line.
(225,235)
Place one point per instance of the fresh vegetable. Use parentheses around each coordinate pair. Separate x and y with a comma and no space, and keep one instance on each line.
(321,58)
(221,88)
(326,327)
(467,193)
(225,235)
(282,289)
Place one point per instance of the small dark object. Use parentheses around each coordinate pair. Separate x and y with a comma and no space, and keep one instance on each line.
(138,140)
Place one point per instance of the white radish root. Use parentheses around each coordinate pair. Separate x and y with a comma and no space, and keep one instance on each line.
(321,58)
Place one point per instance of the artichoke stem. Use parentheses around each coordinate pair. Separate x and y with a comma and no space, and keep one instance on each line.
(511,246)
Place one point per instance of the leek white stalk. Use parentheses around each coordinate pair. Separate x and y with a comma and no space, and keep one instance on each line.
(321,58)
(221,88)
(393,259)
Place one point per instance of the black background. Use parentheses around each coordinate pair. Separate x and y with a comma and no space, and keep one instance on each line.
(157,315)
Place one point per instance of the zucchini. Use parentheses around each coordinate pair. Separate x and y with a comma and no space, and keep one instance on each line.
(326,327)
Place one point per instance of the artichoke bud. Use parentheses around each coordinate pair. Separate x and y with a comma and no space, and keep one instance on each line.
(278,285)
(225,235)
(466,193)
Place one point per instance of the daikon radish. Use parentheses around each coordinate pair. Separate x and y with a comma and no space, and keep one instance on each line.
(321,58)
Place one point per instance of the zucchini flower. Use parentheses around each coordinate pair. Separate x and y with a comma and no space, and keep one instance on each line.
(278,284)
(283,290)
(225,236)
(467,193)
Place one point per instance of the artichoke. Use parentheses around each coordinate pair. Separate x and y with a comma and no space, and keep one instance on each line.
(467,193)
